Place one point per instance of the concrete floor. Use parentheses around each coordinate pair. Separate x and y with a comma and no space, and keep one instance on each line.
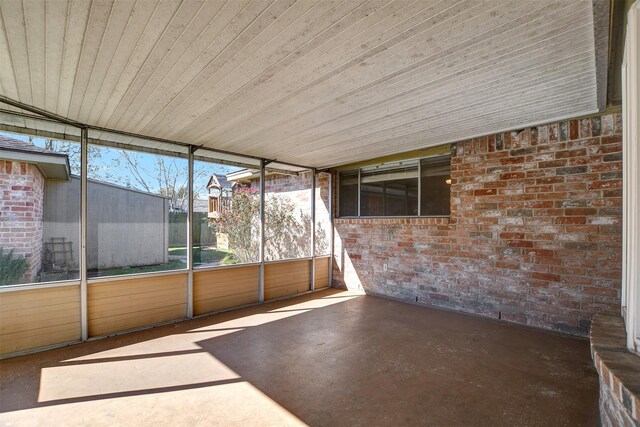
(328,359)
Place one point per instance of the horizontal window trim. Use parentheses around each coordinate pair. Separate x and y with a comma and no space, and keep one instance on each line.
(181,153)
(279,261)
(425,153)
(402,164)
(197,268)
(389,176)
(371,167)
(133,276)
(38,285)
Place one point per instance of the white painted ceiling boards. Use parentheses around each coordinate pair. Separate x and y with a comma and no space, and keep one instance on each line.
(316,83)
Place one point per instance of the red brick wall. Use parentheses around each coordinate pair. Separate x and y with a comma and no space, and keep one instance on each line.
(534,235)
(298,189)
(323,217)
(21,213)
(296,186)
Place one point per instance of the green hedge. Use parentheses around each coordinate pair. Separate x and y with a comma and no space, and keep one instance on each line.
(11,267)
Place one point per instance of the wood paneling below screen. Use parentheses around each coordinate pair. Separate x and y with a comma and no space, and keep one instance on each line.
(321,276)
(38,318)
(132,303)
(223,288)
(286,278)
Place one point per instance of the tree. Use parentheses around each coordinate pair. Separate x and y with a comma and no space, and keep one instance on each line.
(96,166)
(158,174)
(241,224)
(167,177)
(287,231)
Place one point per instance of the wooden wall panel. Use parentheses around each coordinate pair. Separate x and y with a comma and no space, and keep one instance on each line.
(38,318)
(321,274)
(224,288)
(131,303)
(286,278)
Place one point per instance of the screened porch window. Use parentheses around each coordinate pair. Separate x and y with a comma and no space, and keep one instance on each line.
(415,187)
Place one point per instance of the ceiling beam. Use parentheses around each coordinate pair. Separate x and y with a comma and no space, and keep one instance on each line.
(59,119)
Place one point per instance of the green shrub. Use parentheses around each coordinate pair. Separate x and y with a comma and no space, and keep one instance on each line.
(11,268)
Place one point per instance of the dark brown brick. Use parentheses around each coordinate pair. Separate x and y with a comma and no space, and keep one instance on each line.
(485,192)
(572,170)
(616,157)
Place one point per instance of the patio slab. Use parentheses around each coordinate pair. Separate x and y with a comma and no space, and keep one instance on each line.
(327,358)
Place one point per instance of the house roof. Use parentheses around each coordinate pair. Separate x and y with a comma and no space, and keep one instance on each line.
(51,164)
(272,168)
(200,205)
(220,180)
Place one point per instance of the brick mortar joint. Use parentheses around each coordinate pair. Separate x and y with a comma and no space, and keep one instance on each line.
(610,354)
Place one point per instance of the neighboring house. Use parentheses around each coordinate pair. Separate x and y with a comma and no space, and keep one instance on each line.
(218,199)
(24,169)
(294,186)
(40,212)
(220,191)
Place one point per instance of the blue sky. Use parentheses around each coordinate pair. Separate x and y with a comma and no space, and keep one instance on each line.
(109,165)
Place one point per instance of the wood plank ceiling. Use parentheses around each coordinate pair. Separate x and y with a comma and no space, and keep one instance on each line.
(318,83)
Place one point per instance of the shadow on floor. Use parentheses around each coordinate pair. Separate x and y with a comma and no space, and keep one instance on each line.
(330,358)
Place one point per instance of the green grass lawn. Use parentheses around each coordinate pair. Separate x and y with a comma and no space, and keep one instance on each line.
(174,264)
(205,255)
(200,256)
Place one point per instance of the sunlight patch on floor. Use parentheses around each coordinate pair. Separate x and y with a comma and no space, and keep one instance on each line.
(235,404)
(94,379)
(169,343)
(167,380)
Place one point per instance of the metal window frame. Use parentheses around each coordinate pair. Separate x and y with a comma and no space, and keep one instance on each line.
(337,190)
(84,299)
(190,236)
(312,285)
(331,225)
(263,165)
(359,190)
(419,187)
(84,281)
